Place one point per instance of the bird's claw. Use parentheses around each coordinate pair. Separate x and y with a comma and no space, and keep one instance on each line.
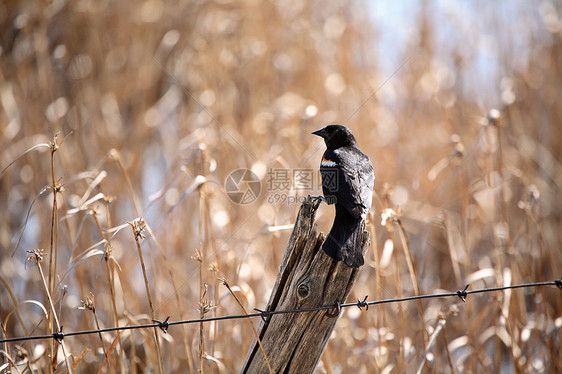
(319,199)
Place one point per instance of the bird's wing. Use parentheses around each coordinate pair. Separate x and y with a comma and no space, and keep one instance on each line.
(355,180)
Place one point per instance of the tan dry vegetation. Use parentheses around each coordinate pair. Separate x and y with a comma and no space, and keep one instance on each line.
(148,98)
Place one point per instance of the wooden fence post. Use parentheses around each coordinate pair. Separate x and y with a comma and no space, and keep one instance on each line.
(308,278)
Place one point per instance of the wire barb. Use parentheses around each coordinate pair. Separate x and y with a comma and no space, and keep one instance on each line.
(163,325)
(363,303)
(463,294)
(58,335)
(265,315)
(558,283)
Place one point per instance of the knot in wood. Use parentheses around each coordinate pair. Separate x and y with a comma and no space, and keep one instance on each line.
(303,290)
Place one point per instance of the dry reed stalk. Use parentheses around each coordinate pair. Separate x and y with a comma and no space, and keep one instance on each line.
(176,293)
(204,306)
(110,281)
(446,347)
(111,348)
(37,256)
(138,226)
(400,364)
(430,344)
(494,117)
(115,155)
(380,317)
(89,304)
(393,218)
(56,188)
(214,269)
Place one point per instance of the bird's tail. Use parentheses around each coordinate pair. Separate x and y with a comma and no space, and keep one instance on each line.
(343,243)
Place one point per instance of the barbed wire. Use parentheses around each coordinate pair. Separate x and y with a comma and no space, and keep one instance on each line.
(267,314)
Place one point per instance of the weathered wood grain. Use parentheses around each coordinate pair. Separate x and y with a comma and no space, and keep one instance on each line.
(307,278)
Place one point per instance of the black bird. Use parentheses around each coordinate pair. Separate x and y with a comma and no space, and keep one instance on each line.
(347,181)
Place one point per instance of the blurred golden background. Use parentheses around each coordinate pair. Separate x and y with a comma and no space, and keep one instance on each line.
(144,108)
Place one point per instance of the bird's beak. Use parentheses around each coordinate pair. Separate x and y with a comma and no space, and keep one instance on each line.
(321,133)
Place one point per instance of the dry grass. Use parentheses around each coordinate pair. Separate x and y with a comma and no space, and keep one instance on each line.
(155,103)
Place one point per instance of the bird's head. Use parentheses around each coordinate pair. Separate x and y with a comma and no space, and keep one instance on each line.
(336,136)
